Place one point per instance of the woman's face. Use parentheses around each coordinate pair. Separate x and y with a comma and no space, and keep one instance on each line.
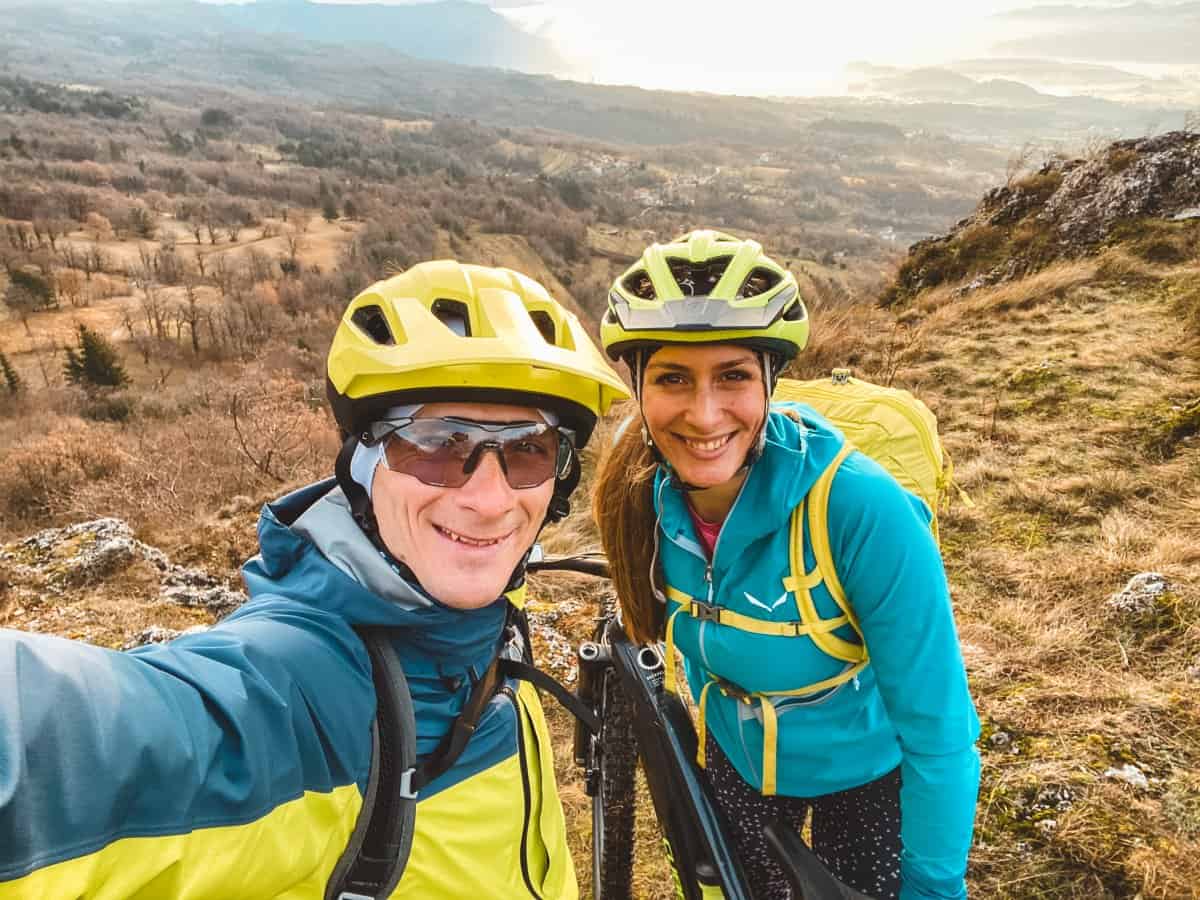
(704,406)
(462,543)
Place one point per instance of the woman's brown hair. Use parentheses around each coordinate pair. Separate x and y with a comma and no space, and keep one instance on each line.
(623,504)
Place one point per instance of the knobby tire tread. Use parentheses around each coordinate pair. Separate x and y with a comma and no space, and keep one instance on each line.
(616,798)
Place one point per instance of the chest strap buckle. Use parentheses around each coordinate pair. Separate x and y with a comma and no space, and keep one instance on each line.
(705,612)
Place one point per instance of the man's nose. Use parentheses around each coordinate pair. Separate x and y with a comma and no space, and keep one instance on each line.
(487,490)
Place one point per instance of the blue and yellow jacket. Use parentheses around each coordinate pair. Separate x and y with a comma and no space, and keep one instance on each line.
(232,763)
(909,707)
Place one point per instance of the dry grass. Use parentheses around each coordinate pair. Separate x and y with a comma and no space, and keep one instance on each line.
(1067,371)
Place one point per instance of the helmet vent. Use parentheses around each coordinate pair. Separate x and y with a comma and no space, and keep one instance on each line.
(544,324)
(795,312)
(371,320)
(698,279)
(454,315)
(640,285)
(758,282)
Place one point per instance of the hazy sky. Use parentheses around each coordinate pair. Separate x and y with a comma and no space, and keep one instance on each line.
(768,46)
(774,46)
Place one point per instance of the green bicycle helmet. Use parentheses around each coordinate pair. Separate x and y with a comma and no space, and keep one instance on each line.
(705,287)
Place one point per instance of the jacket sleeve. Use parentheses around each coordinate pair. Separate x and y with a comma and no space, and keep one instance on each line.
(225,764)
(893,575)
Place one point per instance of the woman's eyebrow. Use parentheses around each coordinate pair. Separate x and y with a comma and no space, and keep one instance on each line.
(720,367)
(734,363)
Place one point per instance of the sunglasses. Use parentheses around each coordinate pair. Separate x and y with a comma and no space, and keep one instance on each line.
(444,452)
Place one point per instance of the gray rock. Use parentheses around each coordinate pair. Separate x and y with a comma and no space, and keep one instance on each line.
(1131,775)
(88,552)
(1140,596)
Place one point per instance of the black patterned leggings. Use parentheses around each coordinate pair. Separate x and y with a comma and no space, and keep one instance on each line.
(856,832)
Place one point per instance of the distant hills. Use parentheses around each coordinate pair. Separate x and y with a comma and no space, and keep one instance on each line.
(1134,32)
(450,30)
(392,61)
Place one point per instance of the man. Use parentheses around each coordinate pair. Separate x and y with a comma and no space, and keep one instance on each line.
(234,763)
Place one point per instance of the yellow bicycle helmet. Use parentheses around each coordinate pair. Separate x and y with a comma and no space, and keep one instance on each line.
(445,330)
(703,287)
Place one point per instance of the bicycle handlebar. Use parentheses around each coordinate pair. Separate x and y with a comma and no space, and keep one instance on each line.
(584,563)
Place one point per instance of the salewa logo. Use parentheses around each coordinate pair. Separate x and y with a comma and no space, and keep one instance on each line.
(761,605)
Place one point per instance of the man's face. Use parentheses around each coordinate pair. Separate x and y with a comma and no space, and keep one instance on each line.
(462,543)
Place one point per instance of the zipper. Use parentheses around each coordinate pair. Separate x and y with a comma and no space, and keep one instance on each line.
(523,761)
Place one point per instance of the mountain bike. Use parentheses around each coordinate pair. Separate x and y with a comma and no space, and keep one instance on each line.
(622,683)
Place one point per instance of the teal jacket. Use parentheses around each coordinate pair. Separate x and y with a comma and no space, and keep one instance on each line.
(909,707)
(232,763)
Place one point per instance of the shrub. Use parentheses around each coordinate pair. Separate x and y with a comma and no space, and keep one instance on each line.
(95,363)
(108,409)
(12,380)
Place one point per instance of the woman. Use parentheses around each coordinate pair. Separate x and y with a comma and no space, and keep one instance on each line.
(862,716)
(234,763)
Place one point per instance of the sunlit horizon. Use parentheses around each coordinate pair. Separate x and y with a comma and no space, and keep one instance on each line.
(781,48)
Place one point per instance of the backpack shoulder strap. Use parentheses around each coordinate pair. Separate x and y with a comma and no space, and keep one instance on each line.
(815,510)
(818,530)
(375,856)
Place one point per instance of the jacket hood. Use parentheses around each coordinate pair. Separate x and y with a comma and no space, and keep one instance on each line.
(312,551)
(794,456)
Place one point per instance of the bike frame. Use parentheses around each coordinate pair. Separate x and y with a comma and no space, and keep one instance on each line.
(705,865)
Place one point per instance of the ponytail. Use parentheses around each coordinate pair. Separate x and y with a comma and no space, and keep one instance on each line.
(623,505)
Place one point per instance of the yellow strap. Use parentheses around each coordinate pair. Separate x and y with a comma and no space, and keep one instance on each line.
(818,530)
(818,686)
(669,662)
(770,745)
(723,616)
(816,506)
(807,583)
(701,730)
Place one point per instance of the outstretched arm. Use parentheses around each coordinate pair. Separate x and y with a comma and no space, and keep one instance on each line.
(223,764)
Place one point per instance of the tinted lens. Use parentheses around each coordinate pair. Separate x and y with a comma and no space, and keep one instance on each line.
(531,459)
(444,452)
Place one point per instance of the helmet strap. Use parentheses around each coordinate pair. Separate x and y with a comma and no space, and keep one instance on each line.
(362,510)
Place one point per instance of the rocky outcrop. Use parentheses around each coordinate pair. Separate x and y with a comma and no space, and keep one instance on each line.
(1067,209)
(59,560)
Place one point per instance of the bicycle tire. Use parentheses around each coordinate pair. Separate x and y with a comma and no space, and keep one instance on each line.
(614,806)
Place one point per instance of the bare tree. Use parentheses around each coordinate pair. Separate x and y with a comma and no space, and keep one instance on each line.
(261,266)
(190,312)
(94,260)
(154,309)
(225,273)
(69,284)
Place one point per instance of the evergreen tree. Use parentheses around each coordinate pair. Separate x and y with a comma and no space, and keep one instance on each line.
(11,378)
(95,363)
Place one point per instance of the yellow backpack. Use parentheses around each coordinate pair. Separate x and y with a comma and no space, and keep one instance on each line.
(889,425)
